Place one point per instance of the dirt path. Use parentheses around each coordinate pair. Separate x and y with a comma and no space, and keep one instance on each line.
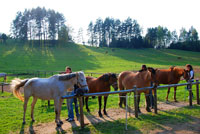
(115,114)
(119,113)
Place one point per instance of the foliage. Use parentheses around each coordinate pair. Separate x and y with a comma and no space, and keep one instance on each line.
(37,24)
(114,33)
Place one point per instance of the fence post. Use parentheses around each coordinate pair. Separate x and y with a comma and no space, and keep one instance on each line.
(2,87)
(197,91)
(155,100)
(190,94)
(135,101)
(81,111)
(49,103)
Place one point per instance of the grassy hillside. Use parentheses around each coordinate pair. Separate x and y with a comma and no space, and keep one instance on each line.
(90,59)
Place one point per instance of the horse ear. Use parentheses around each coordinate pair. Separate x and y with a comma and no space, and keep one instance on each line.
(113,75)
(172,67)
(152,70)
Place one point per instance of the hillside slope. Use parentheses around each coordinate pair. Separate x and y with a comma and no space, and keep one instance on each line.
(90,59)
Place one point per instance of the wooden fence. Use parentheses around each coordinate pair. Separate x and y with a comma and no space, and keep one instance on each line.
(135,91)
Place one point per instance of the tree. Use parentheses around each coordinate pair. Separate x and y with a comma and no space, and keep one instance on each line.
(63,35)
(38,24)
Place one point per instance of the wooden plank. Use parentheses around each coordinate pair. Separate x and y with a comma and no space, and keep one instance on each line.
(197,91)
(135,102)
(155,101)
(81,112)
(190,94)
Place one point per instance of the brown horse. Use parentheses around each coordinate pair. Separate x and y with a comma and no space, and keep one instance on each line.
(128,79)
(101,84)
(171,76)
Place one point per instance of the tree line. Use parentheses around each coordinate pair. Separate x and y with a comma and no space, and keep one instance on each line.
(39,24)
(112,32)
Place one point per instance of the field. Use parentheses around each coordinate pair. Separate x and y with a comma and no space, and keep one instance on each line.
(91,59)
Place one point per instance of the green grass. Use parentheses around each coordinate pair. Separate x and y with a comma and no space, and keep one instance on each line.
(145,122)
(89,59)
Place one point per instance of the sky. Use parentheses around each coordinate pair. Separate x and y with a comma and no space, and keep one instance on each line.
(173,14)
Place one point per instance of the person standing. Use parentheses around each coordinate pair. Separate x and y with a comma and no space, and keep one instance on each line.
(191,74)
(71,101)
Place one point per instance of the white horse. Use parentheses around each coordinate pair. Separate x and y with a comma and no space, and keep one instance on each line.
(52,88)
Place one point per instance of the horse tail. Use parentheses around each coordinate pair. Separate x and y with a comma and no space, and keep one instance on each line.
(15,86)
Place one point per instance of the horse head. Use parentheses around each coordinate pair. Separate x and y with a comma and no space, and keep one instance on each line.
(113,81)
(153,74)
(181,72)
(111,78)
(186,75)
(81,81)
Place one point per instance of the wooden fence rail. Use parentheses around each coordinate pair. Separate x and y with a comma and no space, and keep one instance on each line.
(135,90)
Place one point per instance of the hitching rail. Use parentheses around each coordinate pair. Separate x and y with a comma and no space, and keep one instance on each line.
(135,90)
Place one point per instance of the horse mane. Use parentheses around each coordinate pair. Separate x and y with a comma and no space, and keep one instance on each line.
(106,76)
(67,76)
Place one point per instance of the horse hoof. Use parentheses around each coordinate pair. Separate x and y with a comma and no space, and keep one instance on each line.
(33,120)
(88,110)
(105,113)
(120,105)
(100,114)
(61,122)
(167,102)
(175,101)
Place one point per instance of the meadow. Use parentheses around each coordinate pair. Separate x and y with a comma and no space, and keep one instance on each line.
(90,59)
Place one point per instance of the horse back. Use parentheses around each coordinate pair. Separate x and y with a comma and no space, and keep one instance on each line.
(166,76)
(127,79)
(97,85)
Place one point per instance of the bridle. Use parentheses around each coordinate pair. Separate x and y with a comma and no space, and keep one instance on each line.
(115,83)
(78,83)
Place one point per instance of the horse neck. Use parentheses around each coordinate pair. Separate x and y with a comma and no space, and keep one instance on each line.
(71,82)
(178,72)
(145,75)
(103,82)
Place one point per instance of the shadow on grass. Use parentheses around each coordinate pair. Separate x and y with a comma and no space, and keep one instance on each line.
(175,120)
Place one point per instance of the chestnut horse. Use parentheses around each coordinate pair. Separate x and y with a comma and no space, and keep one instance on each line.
(128,79)
(101,84)
(171,76)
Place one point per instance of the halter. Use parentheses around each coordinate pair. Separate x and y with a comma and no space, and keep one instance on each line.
(78,83)
(114,84)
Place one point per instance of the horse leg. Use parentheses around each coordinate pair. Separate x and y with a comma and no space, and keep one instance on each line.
(168,93)
(60,107)
(56,104)
(32,108)
(99,98)
(120,100)
(105,102)
(25,107)
(138,101)
(124,99)
(175,94)
(147,97)
(86,102)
